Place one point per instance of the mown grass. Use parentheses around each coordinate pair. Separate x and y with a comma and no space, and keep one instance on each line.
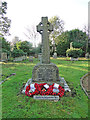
(17,105)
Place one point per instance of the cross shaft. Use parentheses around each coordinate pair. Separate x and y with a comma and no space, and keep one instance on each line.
(44,28)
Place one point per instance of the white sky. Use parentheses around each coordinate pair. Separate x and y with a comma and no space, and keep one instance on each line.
(29,12)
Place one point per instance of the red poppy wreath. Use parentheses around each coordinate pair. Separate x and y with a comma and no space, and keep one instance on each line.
(44,89)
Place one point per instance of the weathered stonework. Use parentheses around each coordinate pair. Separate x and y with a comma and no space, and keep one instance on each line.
(45,72)
(44,28)
(3,57)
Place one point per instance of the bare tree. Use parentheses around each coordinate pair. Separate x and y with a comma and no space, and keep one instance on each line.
(31,34)
(87,30)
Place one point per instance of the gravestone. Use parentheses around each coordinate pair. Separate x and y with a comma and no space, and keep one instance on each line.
(73,59)
(3,57)
(30,58)
(55,54)
(21,58)
(18,59)
(45,71)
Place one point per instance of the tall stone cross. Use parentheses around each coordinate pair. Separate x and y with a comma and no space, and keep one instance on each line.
(44,28)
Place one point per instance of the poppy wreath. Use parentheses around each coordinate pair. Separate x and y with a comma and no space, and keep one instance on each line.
(38,89)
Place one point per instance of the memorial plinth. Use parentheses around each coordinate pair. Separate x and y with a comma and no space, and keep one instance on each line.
(45,73)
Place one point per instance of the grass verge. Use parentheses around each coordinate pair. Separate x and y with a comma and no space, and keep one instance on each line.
(17,105)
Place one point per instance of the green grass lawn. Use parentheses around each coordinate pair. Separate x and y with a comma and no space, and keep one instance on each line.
(17,105)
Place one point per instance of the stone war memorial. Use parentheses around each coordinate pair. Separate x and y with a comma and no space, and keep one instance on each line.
(46,73)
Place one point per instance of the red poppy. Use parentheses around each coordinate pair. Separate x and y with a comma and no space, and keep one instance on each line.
(39,90)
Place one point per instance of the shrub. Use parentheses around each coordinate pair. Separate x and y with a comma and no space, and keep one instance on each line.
(74,52)
(6,51)
(17,53)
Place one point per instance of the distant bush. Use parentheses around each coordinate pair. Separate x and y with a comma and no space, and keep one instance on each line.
(17,53)
(74,52)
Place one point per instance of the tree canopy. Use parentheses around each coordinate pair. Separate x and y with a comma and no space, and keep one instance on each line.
(78,37)
(58,27)
(4,21)
(5,45)
(25,46)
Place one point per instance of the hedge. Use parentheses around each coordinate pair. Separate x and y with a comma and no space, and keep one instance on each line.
(74,52)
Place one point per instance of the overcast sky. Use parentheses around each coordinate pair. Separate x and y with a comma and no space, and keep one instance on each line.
(22,13)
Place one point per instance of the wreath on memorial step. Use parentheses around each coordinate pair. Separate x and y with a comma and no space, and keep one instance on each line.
(44,89)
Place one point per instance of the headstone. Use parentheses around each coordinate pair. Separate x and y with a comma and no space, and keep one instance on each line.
(55,54)
(3,57)
(18,59)
(73,59)
(23,57)
(30,58)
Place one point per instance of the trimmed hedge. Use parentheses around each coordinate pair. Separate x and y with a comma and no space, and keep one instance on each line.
(74,52)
